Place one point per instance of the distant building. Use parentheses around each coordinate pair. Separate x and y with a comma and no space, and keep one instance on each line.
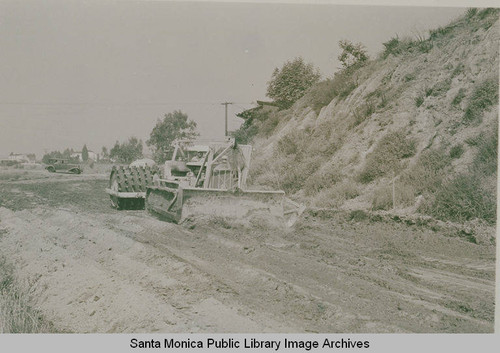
(264,107)
(22,157)
(92,156)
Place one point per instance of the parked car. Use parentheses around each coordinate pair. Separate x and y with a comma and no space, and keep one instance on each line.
(63,165)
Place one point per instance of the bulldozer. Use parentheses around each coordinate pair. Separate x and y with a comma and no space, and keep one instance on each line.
(201,179)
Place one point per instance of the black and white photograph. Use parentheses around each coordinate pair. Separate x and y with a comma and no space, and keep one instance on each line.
(247,167)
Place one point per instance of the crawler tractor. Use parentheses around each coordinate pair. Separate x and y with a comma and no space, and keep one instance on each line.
(200,179)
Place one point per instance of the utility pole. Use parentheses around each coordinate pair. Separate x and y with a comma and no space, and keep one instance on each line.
(225,126)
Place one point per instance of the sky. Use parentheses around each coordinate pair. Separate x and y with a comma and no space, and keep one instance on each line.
(94,72)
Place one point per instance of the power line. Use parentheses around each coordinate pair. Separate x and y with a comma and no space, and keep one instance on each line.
(112,104)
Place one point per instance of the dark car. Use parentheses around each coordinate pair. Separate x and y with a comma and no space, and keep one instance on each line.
(63,165)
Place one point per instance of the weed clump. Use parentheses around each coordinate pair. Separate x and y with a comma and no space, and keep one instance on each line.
(484,96)
(458,98)
(387,156)
(462,199)
(486,159)
(456,151)
(419,101)
(426,175)
(17,314)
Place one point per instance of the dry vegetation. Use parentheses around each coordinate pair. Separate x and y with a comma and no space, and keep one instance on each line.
(424,112)
(18,313)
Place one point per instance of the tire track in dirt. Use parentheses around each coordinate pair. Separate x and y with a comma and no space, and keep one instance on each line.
(101,280)
(100,270)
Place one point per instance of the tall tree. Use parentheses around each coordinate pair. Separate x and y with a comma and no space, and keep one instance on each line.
(173,126)
(104,152)
(85,153)
(291,82)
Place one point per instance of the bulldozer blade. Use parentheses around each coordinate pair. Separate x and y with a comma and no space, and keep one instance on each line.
(239,206)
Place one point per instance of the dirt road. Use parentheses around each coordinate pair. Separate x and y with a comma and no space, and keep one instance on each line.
(95,269)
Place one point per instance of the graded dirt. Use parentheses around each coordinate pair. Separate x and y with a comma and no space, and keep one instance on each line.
(95,269)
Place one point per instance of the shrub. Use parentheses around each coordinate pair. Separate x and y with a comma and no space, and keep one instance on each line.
(395,46)
(292,143)
(426,175)
(473,141)
(419,101)
(361,113)
(245,133)
(459,97)
(456,151)
(440,32)
(341,85)
(294,175)
(471,12)
(322,180)
(485,12)
(266,127)
(463,199)
(352,54)
(409,77)
(439,88)
(386,156)
(484,96)
(337,194)
(250,127)
(458,70)
(486,159)
(321,94)
(425,46)
(291,82)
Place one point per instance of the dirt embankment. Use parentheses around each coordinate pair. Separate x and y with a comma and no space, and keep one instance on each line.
(95,269)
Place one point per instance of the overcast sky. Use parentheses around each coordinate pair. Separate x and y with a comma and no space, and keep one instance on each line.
(93,72)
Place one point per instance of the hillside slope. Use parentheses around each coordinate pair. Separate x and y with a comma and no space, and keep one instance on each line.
(424,115)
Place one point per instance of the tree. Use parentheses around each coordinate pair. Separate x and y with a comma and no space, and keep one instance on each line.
(291,82)
(127,152)
(104,152)
(85,153)
(352,54)
(174,126)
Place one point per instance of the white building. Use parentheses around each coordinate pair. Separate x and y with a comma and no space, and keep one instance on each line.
(22,157)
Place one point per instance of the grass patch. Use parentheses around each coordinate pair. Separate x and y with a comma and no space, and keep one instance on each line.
(361,113)
(456,151)
(458,70)
(387,156)
(483,97)
(341,85)
(403,196)
(409,77)
(223,222)
(337,194)
(440,32)
(322,180)
(439,88)
(17,312)
(486,159)
(463,199)
(321,94)
(396,46)
(458,98)
(471,12)
(426,175)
